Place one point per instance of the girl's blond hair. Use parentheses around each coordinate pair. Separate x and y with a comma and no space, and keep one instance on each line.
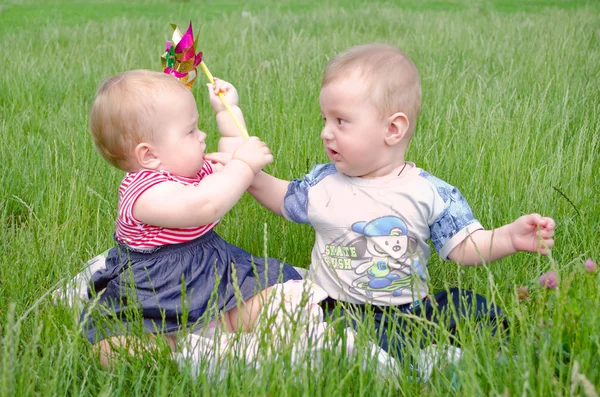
(123,113)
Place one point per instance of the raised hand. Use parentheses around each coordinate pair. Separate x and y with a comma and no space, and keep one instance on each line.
(229,91)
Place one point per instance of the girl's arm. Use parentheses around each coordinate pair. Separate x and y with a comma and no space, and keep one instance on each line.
(529,233)
(231,137)
(170,204)
(266,189)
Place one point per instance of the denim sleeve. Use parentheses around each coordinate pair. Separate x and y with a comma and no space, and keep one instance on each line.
(456,221)
(295,202)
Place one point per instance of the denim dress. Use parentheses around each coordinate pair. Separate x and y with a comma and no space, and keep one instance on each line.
(175,287)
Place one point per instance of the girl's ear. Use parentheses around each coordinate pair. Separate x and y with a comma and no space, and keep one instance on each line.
(397,129)
(146,157)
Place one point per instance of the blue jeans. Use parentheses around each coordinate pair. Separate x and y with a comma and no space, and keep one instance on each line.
(394,329)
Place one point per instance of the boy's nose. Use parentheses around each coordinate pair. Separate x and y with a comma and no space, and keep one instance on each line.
(326,134)
(202,136)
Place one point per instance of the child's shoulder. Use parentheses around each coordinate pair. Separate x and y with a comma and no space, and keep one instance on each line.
(141,180)
(432,179)
(320,172)
(444,189)
(139,175)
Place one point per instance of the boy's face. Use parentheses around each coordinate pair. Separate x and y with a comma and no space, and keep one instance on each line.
(354,132)
(178,143)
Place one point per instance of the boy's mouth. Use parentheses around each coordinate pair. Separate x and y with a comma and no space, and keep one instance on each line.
(335,156)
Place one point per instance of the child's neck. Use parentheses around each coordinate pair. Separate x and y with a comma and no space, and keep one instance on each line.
(403,168)
(396,169)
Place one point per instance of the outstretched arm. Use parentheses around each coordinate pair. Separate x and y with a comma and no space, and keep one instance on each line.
(269,191)
(266,189)
(529,233)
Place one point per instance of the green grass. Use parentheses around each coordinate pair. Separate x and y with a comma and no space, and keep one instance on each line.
(511,116)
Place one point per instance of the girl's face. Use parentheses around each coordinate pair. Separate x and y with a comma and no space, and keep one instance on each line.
(178,143)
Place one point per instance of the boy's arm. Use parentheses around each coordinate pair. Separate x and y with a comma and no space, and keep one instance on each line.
(269,191)
(529,233)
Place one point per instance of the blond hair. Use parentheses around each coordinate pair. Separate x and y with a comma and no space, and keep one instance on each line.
(391,77)
(122,114)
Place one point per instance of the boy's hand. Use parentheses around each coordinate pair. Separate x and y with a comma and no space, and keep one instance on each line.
(533,233)
(231,94)
(253,152)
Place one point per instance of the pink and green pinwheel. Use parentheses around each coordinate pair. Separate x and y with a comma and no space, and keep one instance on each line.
(180,58)
(181,61)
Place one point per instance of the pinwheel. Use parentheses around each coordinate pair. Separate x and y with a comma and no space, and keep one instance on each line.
(181,61)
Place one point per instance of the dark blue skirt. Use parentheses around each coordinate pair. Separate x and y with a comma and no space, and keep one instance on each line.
(176,286)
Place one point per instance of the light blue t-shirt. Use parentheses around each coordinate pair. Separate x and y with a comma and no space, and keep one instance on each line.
(372,235)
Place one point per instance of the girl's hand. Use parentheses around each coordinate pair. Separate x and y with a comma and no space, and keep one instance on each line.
(229,91)
(253,152)
(218,157)
(533,233)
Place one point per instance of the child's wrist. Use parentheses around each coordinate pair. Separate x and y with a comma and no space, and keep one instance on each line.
(226,122)
(241,164)
(506,235)
(225,111)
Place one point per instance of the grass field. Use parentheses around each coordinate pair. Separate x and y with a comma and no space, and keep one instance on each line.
(511,116)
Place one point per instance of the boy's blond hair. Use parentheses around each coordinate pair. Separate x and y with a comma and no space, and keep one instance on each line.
(123,113)
(391,77)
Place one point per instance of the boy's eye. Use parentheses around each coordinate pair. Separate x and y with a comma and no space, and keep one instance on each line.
(340,121)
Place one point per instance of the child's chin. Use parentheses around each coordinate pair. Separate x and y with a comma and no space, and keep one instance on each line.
(344,170)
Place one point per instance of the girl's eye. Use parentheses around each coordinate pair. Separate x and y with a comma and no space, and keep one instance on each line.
(340,121)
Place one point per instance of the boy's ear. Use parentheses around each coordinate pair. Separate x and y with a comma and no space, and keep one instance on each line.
(397,129)
(145,155)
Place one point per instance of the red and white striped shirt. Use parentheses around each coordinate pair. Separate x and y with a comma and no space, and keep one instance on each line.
(136,234)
